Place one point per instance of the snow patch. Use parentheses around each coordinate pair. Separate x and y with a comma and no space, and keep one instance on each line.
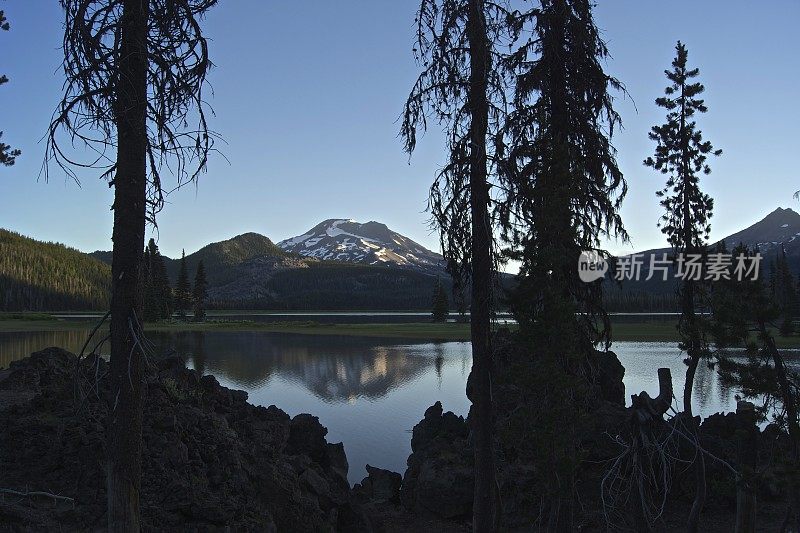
(294,240)
(334,231)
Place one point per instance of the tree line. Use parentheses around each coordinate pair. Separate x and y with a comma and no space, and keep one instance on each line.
(44,276)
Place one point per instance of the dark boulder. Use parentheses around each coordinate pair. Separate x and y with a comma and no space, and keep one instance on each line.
(307,436)
(380,486)
(337,459)
(608,373)
(439,478)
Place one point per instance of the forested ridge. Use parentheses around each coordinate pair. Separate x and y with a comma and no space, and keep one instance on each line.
(346,286)
(41,276)
(47,276)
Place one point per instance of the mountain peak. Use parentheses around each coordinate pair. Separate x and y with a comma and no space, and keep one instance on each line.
(781,213)
(780,228)
(373,243)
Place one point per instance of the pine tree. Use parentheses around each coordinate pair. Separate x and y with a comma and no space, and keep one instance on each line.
(461,306)
(564,187)
(135,72)
(681,155)
(441,304)
(564,190)
(163,287)
(463,86)
(784,293)
(45,276)
(199,293)
(8,155)
(150,304)
(182,289)
(156,292)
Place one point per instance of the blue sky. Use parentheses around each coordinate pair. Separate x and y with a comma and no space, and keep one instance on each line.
(308,93)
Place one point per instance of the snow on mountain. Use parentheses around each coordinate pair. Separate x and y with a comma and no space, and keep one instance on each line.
(371,243)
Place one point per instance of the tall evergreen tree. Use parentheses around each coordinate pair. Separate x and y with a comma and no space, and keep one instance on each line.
(440,303)
(784,293)
(199,293)
(564,190)
(135,72)
(681,154)
(462,86)
(150,304)
(183,294)
(7,154)
(156,292)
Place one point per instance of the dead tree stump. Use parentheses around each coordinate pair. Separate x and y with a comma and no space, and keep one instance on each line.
(646,413)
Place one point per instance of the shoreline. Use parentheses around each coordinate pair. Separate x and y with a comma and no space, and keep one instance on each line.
(626,331)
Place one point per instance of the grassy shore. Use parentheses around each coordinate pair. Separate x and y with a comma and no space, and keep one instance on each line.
(422,330)
(25,322)
(639,331)
(666,331)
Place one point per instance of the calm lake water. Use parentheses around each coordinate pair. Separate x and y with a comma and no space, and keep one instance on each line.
(368,392)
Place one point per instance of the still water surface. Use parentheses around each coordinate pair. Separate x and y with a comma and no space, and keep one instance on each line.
(368,392)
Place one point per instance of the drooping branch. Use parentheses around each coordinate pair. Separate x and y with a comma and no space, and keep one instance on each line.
(82,132)
(440,96)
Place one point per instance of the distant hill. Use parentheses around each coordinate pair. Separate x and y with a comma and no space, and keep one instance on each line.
(250,271)
(779,229)
(45,276)
(370,243)
(219,258)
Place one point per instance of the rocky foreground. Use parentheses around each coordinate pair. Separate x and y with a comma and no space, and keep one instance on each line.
(528,421)
(212,461)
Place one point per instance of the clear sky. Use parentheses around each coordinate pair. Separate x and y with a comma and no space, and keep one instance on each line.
(308,92)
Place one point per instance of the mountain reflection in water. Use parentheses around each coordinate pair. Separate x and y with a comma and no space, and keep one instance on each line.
(369,392)
(335,369)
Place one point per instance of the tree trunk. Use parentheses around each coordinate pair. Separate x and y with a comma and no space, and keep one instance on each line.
(792,521)
(693,350)
(646,411)
(480,393)
(690,323)
(747,448)
(125,409)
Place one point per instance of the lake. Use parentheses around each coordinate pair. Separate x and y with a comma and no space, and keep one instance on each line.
(368,392)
